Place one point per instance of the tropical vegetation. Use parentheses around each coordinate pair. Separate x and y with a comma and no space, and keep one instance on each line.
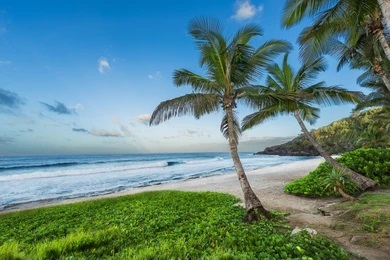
(373,163)
(337,180)
(336,20)
(231,65)
(304,94)
(154,225)
(365,129)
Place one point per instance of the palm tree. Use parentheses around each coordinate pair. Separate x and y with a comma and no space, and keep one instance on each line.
(230,66)
(284,81)
(335,19)
(337,180)
(364,54)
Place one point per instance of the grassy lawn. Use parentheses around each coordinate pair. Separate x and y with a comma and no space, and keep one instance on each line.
(154,225)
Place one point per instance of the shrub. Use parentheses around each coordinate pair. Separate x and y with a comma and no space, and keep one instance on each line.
(371,162)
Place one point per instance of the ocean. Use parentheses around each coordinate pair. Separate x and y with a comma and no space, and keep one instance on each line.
(26,179)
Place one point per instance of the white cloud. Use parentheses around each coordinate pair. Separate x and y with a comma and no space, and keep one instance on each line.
(145,118)
(156,75)
(77,107)
(103,65)
(246,10)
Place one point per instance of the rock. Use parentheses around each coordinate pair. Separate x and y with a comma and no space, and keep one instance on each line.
(310,231)
(239,204)
(324,211)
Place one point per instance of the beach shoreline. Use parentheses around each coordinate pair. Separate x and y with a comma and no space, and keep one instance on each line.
(267,183)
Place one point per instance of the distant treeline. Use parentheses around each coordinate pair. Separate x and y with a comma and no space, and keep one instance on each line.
(367,129)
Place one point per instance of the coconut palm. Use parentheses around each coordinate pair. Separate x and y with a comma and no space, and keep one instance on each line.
(335,19)
(283,81)
(231,65)
(364,54)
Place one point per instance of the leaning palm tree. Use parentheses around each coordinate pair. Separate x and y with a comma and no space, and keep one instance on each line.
(335,19)
(231,66)
(284,81)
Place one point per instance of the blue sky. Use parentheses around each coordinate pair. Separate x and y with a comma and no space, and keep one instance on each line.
(84,76)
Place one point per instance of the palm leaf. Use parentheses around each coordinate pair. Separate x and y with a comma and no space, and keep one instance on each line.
(333,95)
(197,82)
(236,127)
(191,104)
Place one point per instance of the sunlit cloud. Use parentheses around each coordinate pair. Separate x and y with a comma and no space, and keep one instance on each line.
(144,118)
(246,10)
(154,76)
(103,65)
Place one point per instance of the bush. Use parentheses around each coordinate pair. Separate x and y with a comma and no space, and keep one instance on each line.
(373,163)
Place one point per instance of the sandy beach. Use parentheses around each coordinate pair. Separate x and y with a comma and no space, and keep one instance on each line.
(267,183)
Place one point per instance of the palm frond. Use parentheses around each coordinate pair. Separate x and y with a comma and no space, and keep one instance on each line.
(333,95)
(259,97)
(309,71)
(198,83)
(261,116)
(191,104)
(295,10)
(265,55)
(236,127)
(211,43)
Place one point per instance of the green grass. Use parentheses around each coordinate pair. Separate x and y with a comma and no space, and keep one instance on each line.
(369,216)
(372,211)
(154,225)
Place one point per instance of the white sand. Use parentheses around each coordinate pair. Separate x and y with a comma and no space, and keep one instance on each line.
(267,183)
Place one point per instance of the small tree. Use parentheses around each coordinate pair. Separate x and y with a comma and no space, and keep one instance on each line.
(337,180)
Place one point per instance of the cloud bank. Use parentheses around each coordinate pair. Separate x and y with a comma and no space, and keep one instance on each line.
(246,10)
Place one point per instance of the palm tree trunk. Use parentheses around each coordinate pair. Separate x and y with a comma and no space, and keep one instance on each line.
(254,208)
(385,9)
(361,181)
(384,43)
(343,194)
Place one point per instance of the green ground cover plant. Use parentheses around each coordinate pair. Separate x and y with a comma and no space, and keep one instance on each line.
(154,225)
(373,163)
